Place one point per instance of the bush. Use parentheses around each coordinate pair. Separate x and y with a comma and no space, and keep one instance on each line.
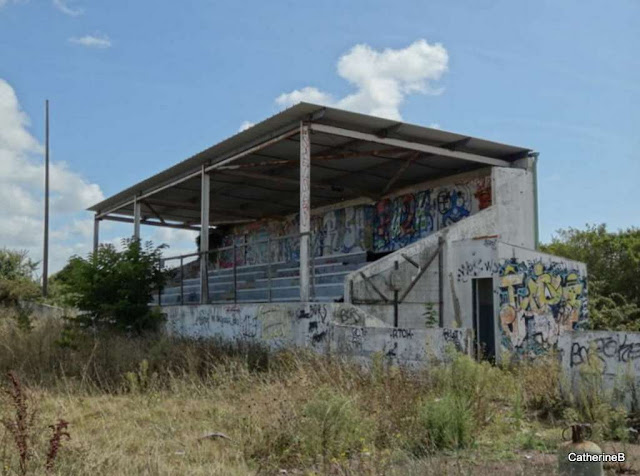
(16,277)
(332,426)
(446,423)
(613,263)
(115,287)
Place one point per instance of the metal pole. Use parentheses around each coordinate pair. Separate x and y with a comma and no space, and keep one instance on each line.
(204,236)
(181,280)
(395,299)
(45,252)
(159,288)
(136,218)
(235,274)
(305,209)
(96,235)
(269,265)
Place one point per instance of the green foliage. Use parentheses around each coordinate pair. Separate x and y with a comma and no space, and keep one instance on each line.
(332,425)
(613,264)
(16,277)
(115,287)
(448,422)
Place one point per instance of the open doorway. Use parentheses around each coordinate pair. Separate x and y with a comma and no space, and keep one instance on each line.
(483,319)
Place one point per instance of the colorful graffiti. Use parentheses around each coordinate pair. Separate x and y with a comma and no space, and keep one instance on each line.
(403,220)
(397,222)
(539,302)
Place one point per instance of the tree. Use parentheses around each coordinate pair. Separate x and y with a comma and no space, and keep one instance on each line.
(17,281)
(613,264)
(115,287)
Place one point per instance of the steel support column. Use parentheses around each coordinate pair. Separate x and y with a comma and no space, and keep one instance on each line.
(136,218)
(204,236)
(96,235)
(305,209)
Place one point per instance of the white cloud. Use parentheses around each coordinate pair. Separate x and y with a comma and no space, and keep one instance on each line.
(246,125)
(5,2)
(65,7)
(92,41)
(21,191)
(382,79)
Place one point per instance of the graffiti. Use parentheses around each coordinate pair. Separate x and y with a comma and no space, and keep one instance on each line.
(403,220)
(610,350)
(453,206)
(474,268)
(483,193)
(398,333)
(358,334)
(538,303)
(455,337)
(349,315)
(397,222)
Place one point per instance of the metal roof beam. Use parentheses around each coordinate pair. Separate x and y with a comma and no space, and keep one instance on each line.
(430,149)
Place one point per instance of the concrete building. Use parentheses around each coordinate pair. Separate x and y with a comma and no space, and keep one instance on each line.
(355,234)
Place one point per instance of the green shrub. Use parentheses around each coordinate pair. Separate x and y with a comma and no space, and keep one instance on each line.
(332,426)
(445,423)
(115,287)
(16,277)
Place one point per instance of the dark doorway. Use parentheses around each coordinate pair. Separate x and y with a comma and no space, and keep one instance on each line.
(483,324)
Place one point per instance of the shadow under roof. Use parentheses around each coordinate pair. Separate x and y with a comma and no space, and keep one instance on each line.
(264,184)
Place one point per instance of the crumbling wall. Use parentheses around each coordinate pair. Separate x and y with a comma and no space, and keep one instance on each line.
(614,356)
(338,328)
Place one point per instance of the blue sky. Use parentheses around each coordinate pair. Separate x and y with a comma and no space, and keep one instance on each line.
(137,86)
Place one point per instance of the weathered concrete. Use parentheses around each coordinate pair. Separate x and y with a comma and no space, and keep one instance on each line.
(409,347)
(337,328)
(616,355)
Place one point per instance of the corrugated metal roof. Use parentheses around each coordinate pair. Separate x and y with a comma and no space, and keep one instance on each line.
(289,118)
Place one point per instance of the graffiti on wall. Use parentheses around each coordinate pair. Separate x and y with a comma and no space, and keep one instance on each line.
(614,351)
(539,302)
(397,222)
(403,220)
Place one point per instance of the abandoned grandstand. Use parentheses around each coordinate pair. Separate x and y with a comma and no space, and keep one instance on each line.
(359,235)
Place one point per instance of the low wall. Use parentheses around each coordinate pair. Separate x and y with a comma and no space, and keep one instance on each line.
(338,328)
(408,347)
(615,354)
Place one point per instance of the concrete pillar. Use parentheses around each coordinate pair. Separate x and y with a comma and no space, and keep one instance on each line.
(136,218)
(205,195)
(305,210)
(96,235)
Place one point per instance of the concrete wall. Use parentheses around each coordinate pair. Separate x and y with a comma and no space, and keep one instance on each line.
(507,216)
(410,347)
(539,298)
(514,198)
(387,225)
(614,355)
(338,328)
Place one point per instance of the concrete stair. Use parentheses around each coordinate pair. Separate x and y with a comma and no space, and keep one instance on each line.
(252,282)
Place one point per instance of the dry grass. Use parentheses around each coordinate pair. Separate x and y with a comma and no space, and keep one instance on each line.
(142,407)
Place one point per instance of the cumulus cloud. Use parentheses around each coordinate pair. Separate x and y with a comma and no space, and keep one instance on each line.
(65,7)
(21,191)
(92,41)
(383,79)
(246,125)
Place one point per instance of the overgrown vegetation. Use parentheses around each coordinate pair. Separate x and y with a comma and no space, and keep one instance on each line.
(613,263)
(114,287)
(142,405)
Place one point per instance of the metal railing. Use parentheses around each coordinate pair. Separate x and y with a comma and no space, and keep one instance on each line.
(243,253)
(391,279)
